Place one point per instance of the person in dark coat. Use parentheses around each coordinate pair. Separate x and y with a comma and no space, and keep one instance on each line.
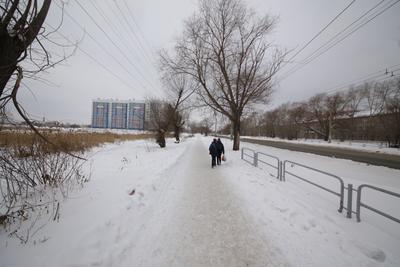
(213,152)
(220,151)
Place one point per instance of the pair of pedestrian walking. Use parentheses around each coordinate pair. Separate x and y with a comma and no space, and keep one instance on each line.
(217,152)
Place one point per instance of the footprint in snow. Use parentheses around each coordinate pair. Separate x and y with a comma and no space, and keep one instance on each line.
(375,254)
(283,210)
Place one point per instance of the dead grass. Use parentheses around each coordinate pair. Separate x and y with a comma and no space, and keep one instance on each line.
(66,142)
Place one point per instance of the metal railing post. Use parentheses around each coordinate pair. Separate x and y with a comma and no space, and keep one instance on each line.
(242,153)
(279,171)
(284,171)
(255,159)
(349,200)
(358,205)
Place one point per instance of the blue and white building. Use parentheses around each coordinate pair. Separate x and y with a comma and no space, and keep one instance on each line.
(115,114)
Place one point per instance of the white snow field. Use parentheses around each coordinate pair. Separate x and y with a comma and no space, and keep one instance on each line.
(183,213)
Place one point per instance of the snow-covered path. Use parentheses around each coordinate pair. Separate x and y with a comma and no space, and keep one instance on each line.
(206,226)
(183,213)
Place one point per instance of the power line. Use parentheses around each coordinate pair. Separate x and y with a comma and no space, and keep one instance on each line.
(108,22)
(364,78)
(116,46)
(144,51)
(112,26)
(312,56)
(140,49)
(114,29)
(375,78)
(345,29)
(100,45)
(92,58)
(322,30)
(137,25)
(350,33)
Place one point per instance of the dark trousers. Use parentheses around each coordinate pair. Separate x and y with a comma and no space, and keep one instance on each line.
(213,158)
(219,158)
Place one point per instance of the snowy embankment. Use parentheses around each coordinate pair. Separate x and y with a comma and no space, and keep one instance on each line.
(103,218)
(147,206)
(367,146)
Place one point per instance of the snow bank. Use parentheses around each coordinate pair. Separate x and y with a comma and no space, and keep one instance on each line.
(103,219)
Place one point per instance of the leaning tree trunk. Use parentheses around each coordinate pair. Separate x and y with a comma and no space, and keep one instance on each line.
(12,46)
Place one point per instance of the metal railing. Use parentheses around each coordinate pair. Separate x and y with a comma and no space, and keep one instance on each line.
(281,175)
(277,167)
(340,194)
(253,156)
(360,204)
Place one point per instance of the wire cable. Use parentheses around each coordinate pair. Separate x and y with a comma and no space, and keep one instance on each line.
(322,30)
(311,58)
(115,45)
(371,76)
(144,51)
(102,47)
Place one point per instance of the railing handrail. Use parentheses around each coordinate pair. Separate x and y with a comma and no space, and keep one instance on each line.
(315,184)
(359,203)
(246,148)
(271,156)
(269,164)
(314,169)
(341,194)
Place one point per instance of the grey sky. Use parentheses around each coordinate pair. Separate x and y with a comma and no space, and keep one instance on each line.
(80,79)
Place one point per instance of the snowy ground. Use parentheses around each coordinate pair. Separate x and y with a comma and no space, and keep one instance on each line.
(183,213)
(368,146)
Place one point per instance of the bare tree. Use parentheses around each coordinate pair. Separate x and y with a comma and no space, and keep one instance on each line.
(179,87)
(224,49)
(20,24)
(23,51)
(391,120)
(206,125)
(336,106)
(160,117)
(354,97)
(318,112)
(376,96)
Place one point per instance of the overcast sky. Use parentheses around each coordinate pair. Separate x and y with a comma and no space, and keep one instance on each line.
(126,69)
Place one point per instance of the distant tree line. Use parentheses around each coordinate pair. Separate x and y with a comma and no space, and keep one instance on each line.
(370,111)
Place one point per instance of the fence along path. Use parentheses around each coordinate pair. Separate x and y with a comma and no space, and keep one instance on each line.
(251,156)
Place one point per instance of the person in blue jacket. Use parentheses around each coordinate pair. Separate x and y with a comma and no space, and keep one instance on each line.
(213,152)
(220,151)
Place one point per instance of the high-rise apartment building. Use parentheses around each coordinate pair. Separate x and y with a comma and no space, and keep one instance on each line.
(100,114)
(136,115)
(118,114)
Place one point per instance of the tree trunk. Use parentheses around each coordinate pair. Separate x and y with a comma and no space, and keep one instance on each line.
(330,126)
(236,134)
(177,133)
(160,138)
(9,54)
